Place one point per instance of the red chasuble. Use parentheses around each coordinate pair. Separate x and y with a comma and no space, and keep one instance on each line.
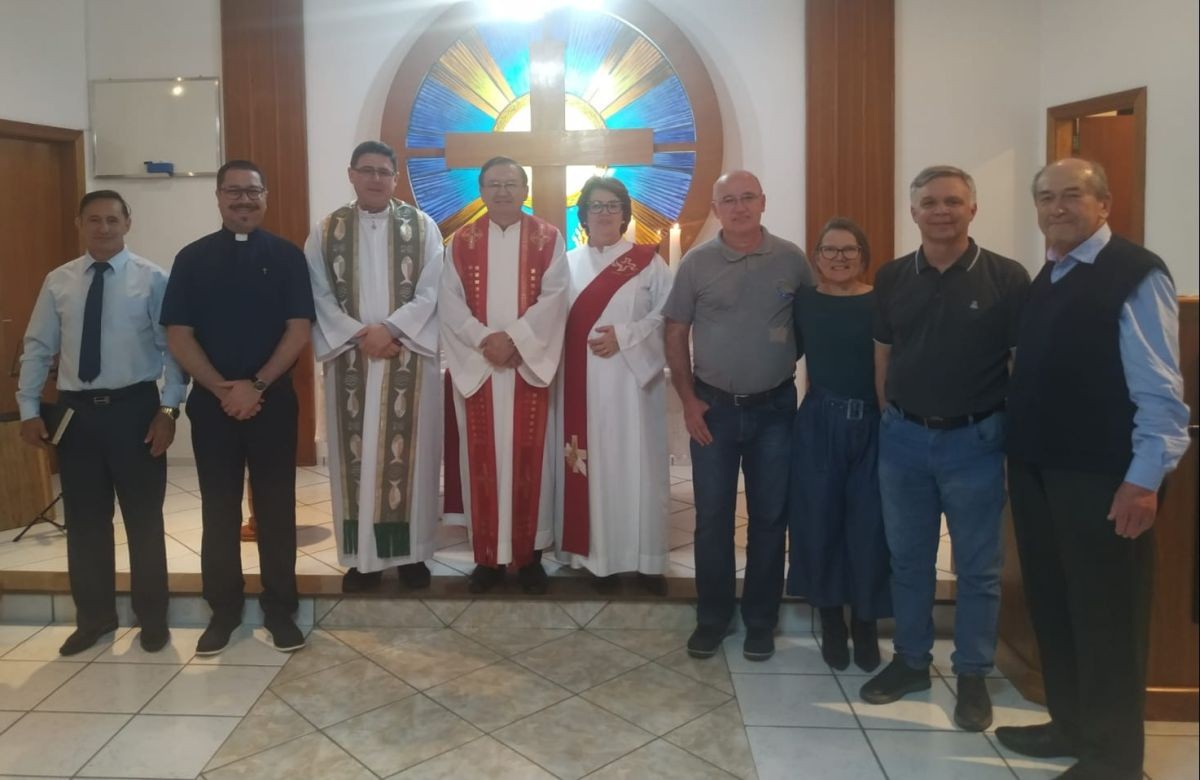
(587,309)
(530,404)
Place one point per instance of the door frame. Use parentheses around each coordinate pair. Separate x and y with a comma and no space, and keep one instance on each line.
(1060,126)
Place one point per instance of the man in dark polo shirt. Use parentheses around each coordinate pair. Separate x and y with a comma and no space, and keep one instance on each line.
(1097,421)
(238,311)
(734,295)
(945,326)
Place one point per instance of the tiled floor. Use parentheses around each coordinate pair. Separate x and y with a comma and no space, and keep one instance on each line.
(459,689)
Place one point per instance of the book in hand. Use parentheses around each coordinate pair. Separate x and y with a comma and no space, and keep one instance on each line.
(56,417)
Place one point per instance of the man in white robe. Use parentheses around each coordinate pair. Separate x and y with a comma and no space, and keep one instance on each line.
(377,338)
(502,308)
(617,522)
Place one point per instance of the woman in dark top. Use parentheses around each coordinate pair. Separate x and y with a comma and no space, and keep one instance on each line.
(839,555)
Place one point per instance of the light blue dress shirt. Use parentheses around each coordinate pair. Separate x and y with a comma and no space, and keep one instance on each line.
(1149,340)
(133,346)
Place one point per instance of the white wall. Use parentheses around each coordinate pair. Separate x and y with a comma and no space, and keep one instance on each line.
(43,68)
(352,51)
(1096,47)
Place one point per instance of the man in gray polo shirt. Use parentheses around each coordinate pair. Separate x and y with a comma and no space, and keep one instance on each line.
(736,292)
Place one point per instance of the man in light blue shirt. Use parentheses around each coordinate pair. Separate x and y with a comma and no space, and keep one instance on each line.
(99,314)
(1096,421)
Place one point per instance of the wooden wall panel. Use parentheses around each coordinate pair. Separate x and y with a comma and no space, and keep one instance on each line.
(262,62)
(850,118)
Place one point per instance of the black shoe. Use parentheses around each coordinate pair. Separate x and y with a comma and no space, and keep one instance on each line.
(973,712)
(654,584)
(533,578)
(607,585)
(216,637)
(355,581)
(1094,770)
(83,638)
(705,641)
(414,576)
(759,644)
(896,681)
(866,644)
(284,633)
(1045,740)
(484,578)
(834,647)
(154,638)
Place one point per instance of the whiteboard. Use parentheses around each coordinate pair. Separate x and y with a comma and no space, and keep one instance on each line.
(175,121)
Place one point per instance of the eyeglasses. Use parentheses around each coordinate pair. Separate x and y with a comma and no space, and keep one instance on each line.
(598,206)
(374,173)
(237,193)
(831,252)
(505,186)
(746,199)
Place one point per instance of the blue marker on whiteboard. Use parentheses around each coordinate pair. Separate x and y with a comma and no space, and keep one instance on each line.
(160,167)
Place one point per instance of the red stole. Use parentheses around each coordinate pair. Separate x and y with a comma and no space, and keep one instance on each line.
(530,404)
(586,310)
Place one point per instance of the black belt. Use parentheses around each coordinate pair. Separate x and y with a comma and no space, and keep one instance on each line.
(743,399)
(105,397)
(949,423)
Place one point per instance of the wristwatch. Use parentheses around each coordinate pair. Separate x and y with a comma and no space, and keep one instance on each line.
(170,411)
(260,386)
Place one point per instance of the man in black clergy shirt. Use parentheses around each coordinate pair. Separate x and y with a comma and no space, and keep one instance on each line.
(238,311)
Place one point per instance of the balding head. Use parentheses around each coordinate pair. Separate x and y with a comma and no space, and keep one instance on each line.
(1089,173)
(739,202)
(1072,201)
(738,181)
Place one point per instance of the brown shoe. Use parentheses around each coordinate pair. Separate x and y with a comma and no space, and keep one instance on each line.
(249,533)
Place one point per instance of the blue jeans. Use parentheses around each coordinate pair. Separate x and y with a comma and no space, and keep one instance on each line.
(756,439)
(922,474)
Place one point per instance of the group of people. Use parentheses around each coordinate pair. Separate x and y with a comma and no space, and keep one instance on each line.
(923,393)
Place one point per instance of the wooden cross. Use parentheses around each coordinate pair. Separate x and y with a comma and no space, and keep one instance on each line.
(549,147)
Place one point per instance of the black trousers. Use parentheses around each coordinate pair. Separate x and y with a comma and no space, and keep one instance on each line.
(1089,597)
(225,448)
(103,451)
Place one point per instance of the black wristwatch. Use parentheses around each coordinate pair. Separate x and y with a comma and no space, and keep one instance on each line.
(260,386)
(170,411)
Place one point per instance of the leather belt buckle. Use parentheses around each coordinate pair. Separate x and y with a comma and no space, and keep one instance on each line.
(740,399)
(101,400)
(854,409)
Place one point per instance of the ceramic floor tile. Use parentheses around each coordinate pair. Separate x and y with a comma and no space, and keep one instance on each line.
(1171,757)
(43,646)
(212,690)
(402,734)
(510,641)
(648,643)
(572,738)
(180,502)
(938,755)
(713,672)
(335,694)
(426,661)
(1167,728)
(793,655)
(160,746)
(582,612)
(579,661)
(13,635)
(322,652)
(389,613)
(719,738)
(931,709)
(662,761)
(76,738)
(128,649)
(792,700)
(23,684)
(311,757)
(9,718)
(312,494)
(830,754)
(497,695)
(248,646)
(306,564)
(643,615)
(464,762)
(447,610)
(375,640)
(514,614)
(110,688)
(270,722)
(655,699)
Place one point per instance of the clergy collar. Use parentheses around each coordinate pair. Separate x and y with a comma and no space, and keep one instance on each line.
(116,262)
(966,261)
(1087,251)
(239,237)
(765,247)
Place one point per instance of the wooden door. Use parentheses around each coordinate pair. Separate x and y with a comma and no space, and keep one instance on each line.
(41,182)
(1109,141)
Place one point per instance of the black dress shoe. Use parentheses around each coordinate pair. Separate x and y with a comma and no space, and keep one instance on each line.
(607,585)
(154,638)
(1044,740)
(414,576)
(759,644)
(83,638)
(533,579)
(1094,770)
(973,712)
(705,641)
(286,636)
(835,649)
(216,637)
(654,584)
(896,681)
(866,644)
(355,581)
(484,578)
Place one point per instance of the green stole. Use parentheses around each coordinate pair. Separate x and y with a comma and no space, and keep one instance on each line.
(393,477)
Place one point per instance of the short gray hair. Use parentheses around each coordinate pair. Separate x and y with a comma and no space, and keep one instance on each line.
(941,172)
(1096,179)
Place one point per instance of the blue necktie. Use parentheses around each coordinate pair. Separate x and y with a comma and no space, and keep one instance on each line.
(89,344)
